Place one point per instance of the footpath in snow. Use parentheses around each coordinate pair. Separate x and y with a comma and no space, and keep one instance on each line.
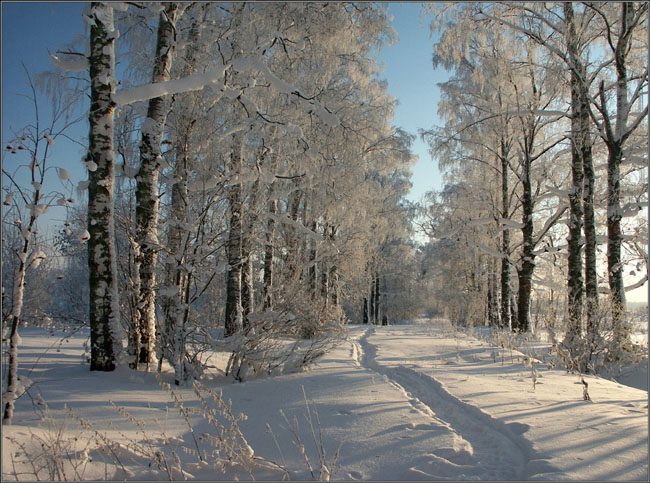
(541,431)
(405,402)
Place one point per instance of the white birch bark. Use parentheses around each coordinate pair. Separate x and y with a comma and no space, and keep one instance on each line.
(147,189)
(105,329)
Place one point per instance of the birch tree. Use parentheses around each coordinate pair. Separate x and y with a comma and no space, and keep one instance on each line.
(147,189)
(27,177)
(616,123)
(105,330)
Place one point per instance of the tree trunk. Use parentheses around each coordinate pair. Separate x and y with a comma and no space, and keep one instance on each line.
(365,310)
(525,273)
(313,280)
(376,302)
(333,273)
(247,290)
(269,256)
(505,243)
(591,276)
(172,339)
(233,309)
(17,308)
(575,277)
(493,298)
(146,194)
(247,283)
(324,271)
(293,252)
(615,140)
(614,241)
(105,340)
(372,313)
(12,370)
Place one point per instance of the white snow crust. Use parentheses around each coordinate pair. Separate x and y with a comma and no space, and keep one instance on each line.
(416,401)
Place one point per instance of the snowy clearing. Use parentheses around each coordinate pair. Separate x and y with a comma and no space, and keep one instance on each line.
(405,402)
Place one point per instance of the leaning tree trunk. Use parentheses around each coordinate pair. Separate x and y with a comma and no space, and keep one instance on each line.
(105,340)
(146,195)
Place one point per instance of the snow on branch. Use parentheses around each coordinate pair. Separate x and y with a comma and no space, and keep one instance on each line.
(248,64)
(193,82)
(505,222)
(296,225)
(490,251)
(637,284)
(197,82)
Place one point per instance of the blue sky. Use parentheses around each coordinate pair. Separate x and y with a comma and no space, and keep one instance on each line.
(412,80)
(29,29)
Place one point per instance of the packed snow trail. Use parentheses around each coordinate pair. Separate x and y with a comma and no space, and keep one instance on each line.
(488,449)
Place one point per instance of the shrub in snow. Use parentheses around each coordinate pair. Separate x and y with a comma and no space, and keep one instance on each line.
(51,452)
(275,343)
(326,468)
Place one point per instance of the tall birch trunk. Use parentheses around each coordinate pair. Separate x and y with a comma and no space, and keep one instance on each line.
(525,272)
(17,309)
(233,309)
(575,275)
(105,340)
(505,241)
(615,138)
(146,195)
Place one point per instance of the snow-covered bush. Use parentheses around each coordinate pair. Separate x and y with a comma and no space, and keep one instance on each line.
(601,348)
(276,343)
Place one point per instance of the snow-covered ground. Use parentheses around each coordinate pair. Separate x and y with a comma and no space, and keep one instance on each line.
(404,402)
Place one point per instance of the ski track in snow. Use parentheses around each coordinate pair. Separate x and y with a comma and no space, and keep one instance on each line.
(486,448)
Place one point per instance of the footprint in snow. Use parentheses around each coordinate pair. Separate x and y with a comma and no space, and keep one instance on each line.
(423,427)
(434,467)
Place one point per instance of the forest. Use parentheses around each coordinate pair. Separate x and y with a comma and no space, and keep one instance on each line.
(243,202)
